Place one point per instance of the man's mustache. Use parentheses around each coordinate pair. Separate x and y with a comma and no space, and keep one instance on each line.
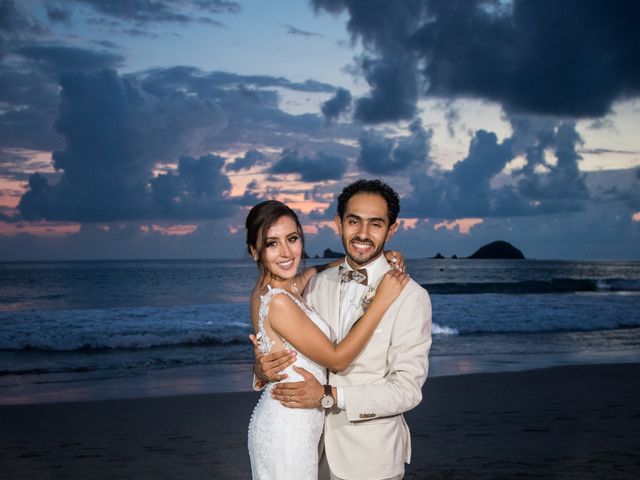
(362,240)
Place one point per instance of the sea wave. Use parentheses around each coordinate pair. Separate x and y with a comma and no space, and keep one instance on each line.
(115,341)
(554,285)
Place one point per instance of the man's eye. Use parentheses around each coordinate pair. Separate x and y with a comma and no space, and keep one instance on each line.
(377,225)
(352,222)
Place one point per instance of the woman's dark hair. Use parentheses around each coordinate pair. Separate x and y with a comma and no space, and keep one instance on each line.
(376,187)
(261,217)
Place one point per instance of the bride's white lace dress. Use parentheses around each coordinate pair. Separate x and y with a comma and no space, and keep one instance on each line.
(283,442)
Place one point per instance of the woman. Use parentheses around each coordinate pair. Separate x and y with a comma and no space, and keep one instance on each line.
(283,442)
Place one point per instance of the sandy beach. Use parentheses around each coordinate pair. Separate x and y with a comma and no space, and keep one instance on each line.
(562,422)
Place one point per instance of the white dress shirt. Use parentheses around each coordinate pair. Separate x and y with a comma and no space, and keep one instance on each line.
(351,295)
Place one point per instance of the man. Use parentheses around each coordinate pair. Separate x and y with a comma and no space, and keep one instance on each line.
(365,435)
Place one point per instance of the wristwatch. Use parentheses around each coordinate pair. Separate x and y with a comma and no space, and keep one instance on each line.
(327,400)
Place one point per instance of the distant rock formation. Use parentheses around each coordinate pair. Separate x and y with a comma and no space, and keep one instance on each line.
(438,256)
(328,253)
(454,257)
(498,250)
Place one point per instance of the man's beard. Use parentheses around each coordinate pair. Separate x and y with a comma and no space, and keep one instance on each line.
(358,258)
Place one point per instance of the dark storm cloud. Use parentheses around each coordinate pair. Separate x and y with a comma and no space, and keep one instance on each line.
(248,160)
(336,105)
(572,58)
(115,133)
(385,156)
(57,58)
(197,190)
(118,128)
(549,182)
(16,26)
(29,90)
(29,102)
(311,169)
(58,13)
(251,104)
(394,90)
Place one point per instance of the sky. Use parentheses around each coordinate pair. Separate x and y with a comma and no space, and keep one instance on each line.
(148,128)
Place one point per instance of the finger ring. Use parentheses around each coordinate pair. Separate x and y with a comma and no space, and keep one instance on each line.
(394,259)
(291,398)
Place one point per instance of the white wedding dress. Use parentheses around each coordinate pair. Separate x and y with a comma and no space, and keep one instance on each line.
(283,442)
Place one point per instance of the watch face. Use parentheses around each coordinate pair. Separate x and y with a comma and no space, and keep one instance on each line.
(327,401)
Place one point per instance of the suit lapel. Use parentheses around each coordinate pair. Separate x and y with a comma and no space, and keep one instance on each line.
(357,315)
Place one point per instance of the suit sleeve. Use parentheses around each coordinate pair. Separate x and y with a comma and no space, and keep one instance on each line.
(407,364)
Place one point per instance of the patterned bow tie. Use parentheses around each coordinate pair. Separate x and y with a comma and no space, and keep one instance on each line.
(359,276)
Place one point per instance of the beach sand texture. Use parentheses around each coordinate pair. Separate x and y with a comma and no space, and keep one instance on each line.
(571,422)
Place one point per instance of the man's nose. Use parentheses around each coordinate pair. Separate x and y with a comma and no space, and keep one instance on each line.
(363,231)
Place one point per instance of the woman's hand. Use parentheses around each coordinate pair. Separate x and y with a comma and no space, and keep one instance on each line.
(396,260)
(390,287)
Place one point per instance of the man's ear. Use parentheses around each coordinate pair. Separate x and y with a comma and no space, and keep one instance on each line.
(392,229)
(338,222)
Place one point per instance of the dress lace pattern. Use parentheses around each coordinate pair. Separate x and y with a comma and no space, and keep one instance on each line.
(283,442)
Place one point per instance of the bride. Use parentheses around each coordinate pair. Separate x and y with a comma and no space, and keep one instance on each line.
(283,442)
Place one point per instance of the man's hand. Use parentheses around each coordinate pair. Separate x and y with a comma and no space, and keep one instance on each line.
(305,394)
(268,367)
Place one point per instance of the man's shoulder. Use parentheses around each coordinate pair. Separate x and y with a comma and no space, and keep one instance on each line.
(322,278)
(414,289)
(329,273)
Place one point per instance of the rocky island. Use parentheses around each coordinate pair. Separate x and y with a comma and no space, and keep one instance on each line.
(498,250)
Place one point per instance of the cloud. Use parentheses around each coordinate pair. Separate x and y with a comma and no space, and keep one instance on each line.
(336,105)
(55,59)
(384,156)
(250,159)
(291,30)
(394,89)
(311,169)
(532,57)
(196,191)
(29,90)
(477,186)
(115,133)
(160,11)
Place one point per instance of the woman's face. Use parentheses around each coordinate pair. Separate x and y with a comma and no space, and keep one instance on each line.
(282,249)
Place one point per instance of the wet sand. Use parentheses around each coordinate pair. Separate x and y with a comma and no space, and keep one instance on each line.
(576,422)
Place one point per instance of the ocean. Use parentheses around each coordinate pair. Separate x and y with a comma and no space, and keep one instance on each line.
(74,331)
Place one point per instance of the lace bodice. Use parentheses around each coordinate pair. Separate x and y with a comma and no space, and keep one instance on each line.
(283,442)
(265,343)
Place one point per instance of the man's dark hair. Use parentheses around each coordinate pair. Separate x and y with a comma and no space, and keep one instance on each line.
(376,187)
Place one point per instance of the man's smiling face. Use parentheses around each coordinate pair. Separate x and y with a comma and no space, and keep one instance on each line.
(365,228)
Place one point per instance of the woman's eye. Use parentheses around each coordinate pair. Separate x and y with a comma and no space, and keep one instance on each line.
(271,244)
(293,239)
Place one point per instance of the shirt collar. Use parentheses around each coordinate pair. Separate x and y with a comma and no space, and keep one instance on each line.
(375,268)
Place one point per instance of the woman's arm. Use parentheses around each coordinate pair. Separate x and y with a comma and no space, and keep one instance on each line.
(288,321)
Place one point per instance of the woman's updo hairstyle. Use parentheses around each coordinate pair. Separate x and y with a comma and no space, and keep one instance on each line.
(260,218)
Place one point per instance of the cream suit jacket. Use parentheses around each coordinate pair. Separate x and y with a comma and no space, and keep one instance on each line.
(370,439)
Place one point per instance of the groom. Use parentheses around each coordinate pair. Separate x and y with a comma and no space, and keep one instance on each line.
(365,435)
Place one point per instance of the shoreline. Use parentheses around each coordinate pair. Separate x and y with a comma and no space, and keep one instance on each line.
(236,377)
(580,421)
